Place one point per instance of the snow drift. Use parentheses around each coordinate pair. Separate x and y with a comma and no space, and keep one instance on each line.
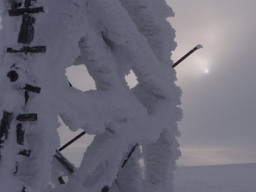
(216,178)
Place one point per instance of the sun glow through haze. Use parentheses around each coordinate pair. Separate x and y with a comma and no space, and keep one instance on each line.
(202,64)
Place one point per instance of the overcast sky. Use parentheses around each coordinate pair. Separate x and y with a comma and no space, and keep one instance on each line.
(219,124)
(218,81)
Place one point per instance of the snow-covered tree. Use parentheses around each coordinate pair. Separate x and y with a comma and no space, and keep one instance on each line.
(39,40)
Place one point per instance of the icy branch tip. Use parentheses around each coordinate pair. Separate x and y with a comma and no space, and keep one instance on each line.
(199,46)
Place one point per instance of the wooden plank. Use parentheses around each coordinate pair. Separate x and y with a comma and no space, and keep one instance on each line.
(26,50)
(22,11)
(27,117)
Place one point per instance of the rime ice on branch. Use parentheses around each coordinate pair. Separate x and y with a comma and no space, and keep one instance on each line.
(110,38)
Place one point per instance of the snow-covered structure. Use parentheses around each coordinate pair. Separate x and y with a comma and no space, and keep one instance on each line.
(39,40)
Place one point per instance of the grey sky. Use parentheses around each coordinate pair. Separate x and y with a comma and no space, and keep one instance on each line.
(219,124)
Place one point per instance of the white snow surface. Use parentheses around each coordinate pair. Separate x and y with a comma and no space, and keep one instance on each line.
(110,38)
(216,178)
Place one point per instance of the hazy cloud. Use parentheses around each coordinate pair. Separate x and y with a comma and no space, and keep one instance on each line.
(219,107)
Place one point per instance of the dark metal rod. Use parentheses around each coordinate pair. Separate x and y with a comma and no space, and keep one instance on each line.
(129,155)
(71,141)
(70,167)
(107,188)
(186,55)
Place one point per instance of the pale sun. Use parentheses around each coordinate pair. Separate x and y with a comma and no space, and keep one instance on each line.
(206,70)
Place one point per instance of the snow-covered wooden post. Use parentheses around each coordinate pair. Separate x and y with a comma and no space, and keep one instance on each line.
(40,39)
(18,87)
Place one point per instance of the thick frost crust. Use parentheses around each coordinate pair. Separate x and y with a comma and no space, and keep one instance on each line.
(110,38)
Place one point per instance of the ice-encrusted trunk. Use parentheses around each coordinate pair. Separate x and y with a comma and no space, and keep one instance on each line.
(39,40)
(159,157)
(26,148)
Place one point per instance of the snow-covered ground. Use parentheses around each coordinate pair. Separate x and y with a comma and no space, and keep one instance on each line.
(211,178)
(217,178)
